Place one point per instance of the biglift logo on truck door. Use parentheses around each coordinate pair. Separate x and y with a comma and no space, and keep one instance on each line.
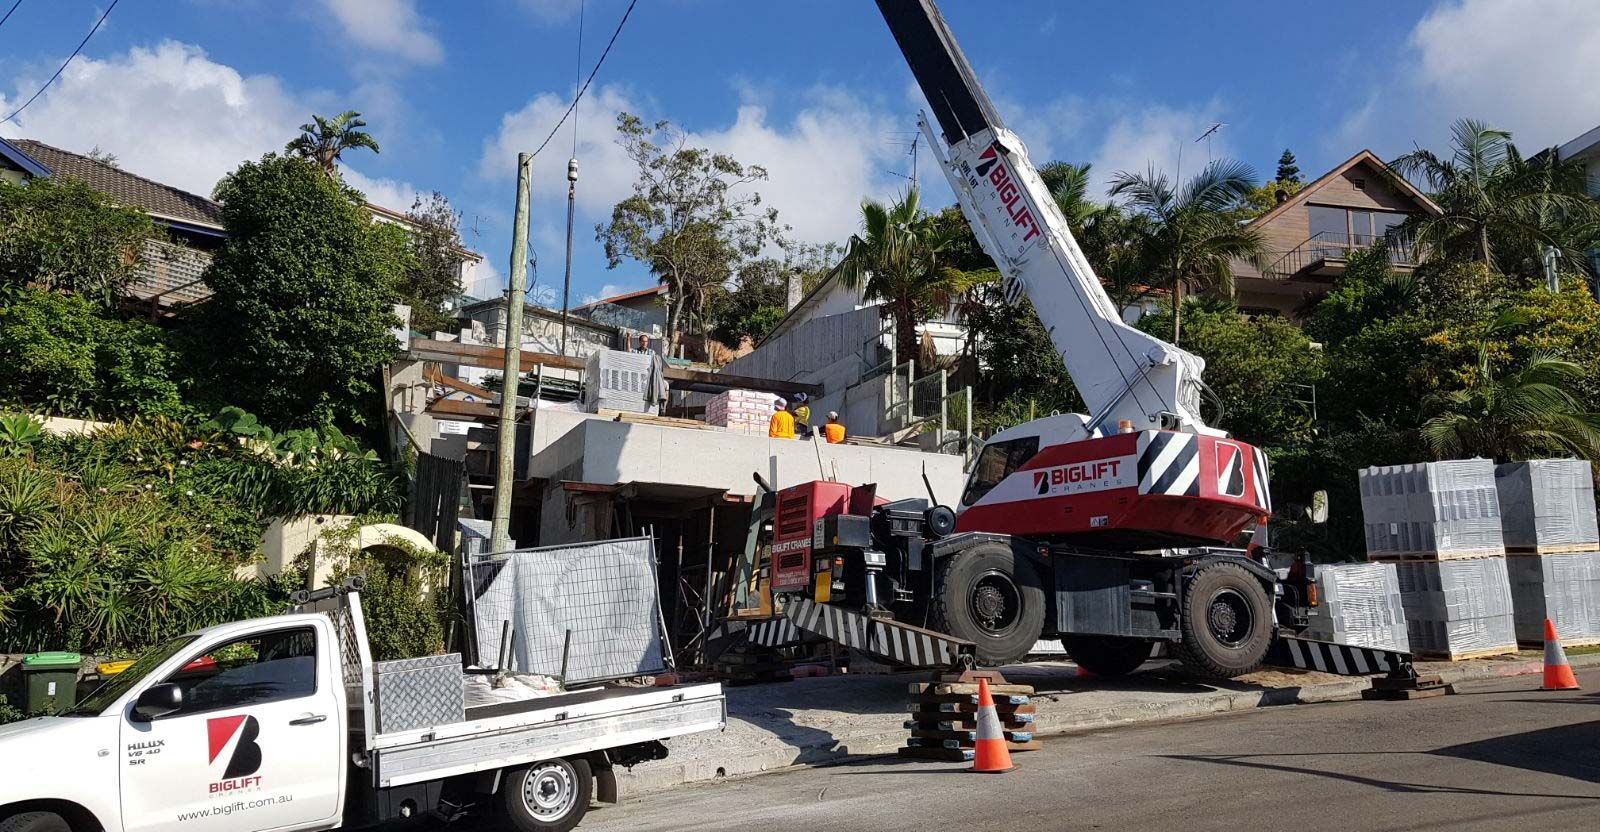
(1061,480)
(240,732)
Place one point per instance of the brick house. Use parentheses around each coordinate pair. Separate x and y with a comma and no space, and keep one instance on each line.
(1310,235)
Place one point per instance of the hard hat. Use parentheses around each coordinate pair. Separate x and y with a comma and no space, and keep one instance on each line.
(780,402)
(800,397)
(833,414)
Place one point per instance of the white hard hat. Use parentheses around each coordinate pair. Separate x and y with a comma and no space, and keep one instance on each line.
(779,401)
(833,414)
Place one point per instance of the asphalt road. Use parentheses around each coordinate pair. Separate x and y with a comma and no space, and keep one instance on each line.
(1499,755)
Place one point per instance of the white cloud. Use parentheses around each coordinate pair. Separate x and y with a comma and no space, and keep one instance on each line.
(1528,67)
(605,173)
(392,27)
(1162,136)
(385,193)
(169,113)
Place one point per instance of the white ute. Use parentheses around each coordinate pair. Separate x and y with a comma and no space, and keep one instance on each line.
(271,724)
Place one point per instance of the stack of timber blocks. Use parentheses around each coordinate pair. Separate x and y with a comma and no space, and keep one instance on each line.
(1553,548)
(944,716)
(741,411)
(1439,524)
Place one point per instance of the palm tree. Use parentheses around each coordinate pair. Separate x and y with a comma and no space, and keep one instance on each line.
(1192,240)
(1069,187)
(322,140)
(896,259)
(1498,206)
(1529,412)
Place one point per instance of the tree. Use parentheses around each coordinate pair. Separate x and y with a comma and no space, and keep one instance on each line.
(323,140)
(1498,208)
(896,259)
(299,323)
(758,297)
(1069,187)
(62,235)
(1192,239)
(432,278)
(1288,170)
(1529,412)
(692,217)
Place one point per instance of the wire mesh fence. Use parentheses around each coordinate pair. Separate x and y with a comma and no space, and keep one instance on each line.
(582,612)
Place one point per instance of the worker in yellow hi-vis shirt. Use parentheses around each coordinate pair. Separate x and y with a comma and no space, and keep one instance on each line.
(782,424)
(833,431)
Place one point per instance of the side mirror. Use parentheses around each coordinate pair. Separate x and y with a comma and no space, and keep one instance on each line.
(157,702)
(1319,507)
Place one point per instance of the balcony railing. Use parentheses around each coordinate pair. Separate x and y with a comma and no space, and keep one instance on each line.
(1325,252)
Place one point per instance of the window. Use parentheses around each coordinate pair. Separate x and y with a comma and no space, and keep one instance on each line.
(1358,184)
(260,668)
(113,688)
(998,461)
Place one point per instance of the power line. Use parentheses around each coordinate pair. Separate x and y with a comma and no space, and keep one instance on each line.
(586,83)
(63,68)
(9,11)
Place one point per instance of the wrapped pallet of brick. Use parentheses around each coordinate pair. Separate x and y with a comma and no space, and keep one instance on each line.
(1439,523)
(1431,510)
(1359,604)
(629,382)
(1457,609)
(741,411)
(1548,513)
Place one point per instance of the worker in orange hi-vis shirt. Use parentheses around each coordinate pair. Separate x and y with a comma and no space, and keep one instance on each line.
(782,424)
(833,431)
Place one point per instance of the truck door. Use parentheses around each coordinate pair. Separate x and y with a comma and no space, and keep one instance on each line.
(255,745)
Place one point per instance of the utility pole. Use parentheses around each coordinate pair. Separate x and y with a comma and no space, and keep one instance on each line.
(506,440)
(566,281)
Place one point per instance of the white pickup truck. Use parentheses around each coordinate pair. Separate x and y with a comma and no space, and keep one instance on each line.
(277,724)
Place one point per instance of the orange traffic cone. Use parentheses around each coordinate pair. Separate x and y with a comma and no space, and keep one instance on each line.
(1557,673)
(990,754)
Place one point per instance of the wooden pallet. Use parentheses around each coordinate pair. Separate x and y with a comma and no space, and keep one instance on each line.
(1434,557)
(1466,655)
(1555,549)
(1565,642)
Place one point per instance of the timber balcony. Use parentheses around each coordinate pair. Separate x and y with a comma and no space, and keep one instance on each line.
(1327,254)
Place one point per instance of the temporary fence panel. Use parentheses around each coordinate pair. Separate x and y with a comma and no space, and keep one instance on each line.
(584,612)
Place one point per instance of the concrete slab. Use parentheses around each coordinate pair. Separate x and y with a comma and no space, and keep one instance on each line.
(837,718)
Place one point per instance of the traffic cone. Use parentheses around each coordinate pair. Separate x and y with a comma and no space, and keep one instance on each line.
(1557,672)
(990,755)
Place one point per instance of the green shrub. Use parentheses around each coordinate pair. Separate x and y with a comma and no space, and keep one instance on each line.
(59,234)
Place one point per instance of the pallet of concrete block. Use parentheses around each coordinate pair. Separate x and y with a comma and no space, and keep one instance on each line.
(1564,588)
(1547,506)
(626,381)
(1431,511)
(741,411)
(1457,609)
(1359,604)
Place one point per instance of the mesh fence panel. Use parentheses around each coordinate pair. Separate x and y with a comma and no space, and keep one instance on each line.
(595,603)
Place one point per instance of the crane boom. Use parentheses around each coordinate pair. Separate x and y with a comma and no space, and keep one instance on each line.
(1122,374)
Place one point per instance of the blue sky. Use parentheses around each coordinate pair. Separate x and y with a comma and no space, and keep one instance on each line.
(182,90)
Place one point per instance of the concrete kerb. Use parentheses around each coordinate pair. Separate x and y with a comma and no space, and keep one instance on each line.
(744,753)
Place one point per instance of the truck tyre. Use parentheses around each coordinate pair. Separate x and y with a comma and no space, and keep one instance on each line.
(1107,655)
(992,598)
(1226,622)
(548,796)
(35,822)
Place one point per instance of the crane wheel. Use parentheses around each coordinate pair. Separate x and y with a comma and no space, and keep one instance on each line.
(992,598)
(1107,655)
(1226,622)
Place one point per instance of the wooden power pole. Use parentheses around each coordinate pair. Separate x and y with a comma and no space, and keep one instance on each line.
(506,439)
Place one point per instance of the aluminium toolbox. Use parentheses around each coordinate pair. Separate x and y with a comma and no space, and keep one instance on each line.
(419,693)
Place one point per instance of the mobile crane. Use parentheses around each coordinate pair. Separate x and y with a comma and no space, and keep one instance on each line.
(1109,530)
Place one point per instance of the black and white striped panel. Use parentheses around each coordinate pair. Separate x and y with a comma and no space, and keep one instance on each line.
(891,640)
(775,632)
(1343,659)
(1169,463)
(1263,485)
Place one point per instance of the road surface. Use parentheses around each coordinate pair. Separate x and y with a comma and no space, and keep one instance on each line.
(1499,755)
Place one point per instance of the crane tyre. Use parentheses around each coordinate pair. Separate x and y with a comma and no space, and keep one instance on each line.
(1226,622)
(992,598)
(1107,656)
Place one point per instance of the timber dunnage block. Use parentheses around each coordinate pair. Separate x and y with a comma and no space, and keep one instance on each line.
(950,755)
(921,689)
(936,711)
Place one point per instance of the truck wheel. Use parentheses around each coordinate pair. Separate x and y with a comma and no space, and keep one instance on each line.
(548,796)
(1227,622)
(1107,655)
(35,822)
(992,598)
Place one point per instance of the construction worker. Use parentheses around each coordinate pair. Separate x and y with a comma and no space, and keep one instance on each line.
(833,431)
(802,415)
(782,424)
